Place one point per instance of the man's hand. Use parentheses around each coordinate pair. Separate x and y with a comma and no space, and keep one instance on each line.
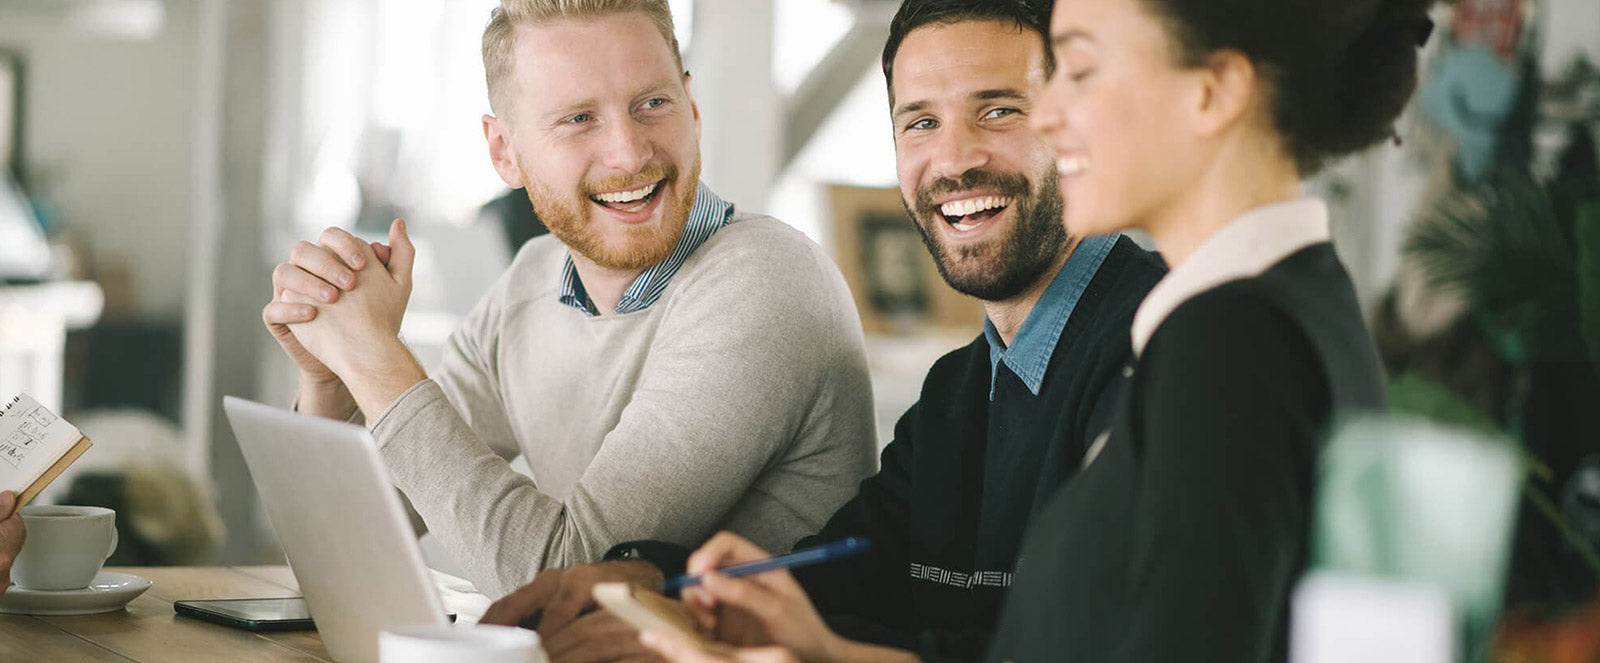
(315,275)
(368,312)
(358,337)
(557,597)
(11,536)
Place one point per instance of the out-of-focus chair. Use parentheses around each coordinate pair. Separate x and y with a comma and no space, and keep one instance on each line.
(165,515)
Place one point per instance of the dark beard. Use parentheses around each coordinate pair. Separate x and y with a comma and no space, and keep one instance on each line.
(987,271)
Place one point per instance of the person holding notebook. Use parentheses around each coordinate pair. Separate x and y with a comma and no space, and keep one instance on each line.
(1184,535)
(999,423)
(12,534)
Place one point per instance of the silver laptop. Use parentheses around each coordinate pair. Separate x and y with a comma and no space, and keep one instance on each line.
(341,525)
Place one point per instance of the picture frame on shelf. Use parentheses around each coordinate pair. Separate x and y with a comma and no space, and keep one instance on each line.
(895,283)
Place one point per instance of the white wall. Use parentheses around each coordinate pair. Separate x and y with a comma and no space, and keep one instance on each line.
(1572,28)
(109,142)
(730,60)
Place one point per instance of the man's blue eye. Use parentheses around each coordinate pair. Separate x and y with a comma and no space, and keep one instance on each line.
(655,103)
(580,118)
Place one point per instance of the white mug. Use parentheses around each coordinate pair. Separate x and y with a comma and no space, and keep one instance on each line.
(459,643)
(65,546)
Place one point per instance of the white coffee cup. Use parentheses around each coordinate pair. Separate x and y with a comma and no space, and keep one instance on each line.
(65,546)
(459,643)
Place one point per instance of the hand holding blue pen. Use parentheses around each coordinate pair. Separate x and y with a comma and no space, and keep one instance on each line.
(805,557)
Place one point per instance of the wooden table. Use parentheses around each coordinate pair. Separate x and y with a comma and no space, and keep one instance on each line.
(149,631)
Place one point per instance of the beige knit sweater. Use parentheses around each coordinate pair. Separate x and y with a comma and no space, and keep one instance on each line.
(740,401)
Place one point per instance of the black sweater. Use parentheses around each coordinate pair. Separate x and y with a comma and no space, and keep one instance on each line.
(947,509)
(1182,540)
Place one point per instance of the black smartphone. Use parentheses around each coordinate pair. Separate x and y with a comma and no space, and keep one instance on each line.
(285,614)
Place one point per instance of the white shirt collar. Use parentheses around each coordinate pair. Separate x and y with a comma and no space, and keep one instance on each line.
(1244,248)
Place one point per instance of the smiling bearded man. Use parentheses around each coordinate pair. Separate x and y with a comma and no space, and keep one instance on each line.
(667,365)
(1001,423)
(998,268)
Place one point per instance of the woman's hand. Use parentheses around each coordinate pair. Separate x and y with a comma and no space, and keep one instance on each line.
(767,608)
(767,615)
(675,649)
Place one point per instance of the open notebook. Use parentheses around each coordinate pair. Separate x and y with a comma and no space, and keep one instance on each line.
(35,446)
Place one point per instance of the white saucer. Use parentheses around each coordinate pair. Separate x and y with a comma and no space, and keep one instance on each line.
(108,593)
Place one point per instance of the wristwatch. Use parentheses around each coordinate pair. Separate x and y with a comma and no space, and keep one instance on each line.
(670,558)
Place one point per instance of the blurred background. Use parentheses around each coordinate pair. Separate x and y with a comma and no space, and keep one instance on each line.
(157,157)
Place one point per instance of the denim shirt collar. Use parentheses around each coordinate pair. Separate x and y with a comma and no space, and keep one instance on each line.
(1029,354)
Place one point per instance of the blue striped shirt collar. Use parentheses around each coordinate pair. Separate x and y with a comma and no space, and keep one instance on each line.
(709,214)
(1029,354)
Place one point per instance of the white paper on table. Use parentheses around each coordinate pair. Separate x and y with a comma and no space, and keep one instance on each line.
(460,597)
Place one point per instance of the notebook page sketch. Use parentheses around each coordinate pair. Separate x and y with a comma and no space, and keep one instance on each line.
(31,439)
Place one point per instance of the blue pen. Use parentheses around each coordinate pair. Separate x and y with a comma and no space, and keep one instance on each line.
(823,553)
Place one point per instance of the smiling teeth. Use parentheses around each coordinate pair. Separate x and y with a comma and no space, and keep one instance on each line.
(972,206)
(626,196)
(1071,165)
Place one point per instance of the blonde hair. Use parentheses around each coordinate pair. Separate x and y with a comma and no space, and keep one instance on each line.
(499,36)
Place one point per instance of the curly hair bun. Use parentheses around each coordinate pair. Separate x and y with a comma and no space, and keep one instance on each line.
(1372,84)
(1341,71)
